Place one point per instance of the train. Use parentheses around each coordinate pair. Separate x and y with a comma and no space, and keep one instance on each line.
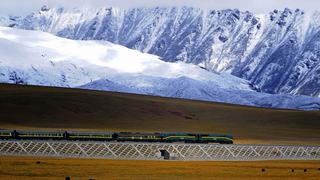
(116,136)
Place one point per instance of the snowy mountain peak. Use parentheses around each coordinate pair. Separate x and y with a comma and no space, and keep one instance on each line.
(277,52)
(32,57)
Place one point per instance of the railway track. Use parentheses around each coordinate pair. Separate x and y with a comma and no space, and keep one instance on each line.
(157,151)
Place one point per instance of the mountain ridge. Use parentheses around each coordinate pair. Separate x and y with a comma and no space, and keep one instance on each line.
(276,52)
(39,58)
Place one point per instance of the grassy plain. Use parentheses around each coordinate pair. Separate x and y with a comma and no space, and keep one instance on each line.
(28,168)
(32,107)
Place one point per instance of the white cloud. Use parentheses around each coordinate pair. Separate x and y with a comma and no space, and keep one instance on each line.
(259,6)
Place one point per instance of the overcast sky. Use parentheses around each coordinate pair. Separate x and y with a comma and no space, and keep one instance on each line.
(259,6)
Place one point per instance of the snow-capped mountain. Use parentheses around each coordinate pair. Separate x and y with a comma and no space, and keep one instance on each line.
(39,58)
(87,61)
(277,52)
(184,87)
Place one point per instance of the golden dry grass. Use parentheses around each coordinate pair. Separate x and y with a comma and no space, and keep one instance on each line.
(49,168)
(31,107)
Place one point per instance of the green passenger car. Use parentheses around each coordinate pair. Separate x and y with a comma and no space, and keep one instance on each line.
(78,135)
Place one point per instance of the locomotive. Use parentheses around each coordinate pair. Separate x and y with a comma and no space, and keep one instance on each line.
(117,136)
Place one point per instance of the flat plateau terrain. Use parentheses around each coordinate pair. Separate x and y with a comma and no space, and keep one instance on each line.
(32,107)
(46,168)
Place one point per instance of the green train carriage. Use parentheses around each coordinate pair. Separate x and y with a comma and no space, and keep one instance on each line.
(43,135)
(6,134)
(137,137)
(97,136)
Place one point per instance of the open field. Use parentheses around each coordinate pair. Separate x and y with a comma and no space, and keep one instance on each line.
(31,107)
(28,168)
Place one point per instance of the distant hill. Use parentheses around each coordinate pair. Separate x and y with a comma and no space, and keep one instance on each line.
(32,107)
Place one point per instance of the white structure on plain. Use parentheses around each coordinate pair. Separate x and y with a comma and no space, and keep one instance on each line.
(157,151)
